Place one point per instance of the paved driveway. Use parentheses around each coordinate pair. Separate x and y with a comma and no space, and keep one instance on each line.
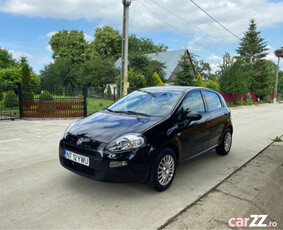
(36,192)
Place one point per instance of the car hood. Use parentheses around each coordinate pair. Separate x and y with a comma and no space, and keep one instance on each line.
(107,126)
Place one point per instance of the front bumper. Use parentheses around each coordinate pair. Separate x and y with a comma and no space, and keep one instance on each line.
(98,169)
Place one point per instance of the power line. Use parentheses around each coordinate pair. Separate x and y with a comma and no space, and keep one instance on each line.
(196,27)
(215,20)
(155,14)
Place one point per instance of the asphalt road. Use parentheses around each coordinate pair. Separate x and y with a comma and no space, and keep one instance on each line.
(36,192)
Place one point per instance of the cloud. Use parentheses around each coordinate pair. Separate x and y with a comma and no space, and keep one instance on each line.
(50,34)
(88,37)
(17,54)
(148,16)
(272,57)
(214,67)
(48,48)
(214,57)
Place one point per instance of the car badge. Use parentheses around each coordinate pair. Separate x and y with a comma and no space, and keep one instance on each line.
(80,140)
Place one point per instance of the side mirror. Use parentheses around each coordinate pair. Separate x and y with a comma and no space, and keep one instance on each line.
(193,116)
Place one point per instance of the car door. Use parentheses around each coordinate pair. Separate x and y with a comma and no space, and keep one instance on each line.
(217,113)
(194,136)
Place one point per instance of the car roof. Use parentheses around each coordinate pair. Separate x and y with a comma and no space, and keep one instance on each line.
(171,88)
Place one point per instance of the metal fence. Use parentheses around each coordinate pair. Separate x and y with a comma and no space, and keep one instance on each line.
(47,102)
(27,101)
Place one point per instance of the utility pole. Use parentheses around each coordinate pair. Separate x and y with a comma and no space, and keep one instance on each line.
(279,54)
(124,74)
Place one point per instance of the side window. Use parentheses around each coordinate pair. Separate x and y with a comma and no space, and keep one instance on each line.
(213,101)
(192,103)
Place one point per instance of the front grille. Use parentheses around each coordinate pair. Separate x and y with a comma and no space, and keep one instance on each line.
(95,173)
(94,154)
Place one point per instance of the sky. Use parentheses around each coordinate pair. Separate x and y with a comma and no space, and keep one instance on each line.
(26,26)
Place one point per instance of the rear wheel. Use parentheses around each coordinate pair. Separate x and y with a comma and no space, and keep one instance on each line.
(163,170)
(225,146)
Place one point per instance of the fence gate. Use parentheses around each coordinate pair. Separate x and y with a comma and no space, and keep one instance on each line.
(40,102)
(9,101)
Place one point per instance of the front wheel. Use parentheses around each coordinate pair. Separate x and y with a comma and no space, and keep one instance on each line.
(225,146)
(163,170)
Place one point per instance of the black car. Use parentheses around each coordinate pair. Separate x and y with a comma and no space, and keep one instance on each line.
(145,135)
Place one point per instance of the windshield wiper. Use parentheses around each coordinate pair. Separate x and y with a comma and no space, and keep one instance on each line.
(129,112)
(110,110)
(137,113)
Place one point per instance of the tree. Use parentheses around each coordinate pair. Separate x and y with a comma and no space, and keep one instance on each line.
(214,85)
(108,92)
(234,79)
(10,75)
(185,77)
(26,76)
(14,75)
(70,45)
(136,80)
(199,82)
(107,42)
(59,73)
(252,51)
(201,67)
(98,72)
(23,60)
(159,82)
(144,45)
(263,77)
(252,47)
(6,59)
(147,67)
(226,64)
(26,80)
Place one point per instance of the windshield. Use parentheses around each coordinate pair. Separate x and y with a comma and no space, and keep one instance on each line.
(147,103)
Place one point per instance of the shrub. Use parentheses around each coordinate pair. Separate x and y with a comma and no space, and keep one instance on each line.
(80,98)
(159,82)
(267,99)
(108,92)
(249,100)
(11,100)
(241,101)
(199,81)
(1,95)
(46,96)
(214,85)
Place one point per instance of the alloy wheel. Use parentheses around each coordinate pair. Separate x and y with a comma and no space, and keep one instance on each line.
(166,170)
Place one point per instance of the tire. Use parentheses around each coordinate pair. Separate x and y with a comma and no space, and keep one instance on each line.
(226,143)
(163,170)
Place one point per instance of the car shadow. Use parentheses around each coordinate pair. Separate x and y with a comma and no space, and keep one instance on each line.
(186,172)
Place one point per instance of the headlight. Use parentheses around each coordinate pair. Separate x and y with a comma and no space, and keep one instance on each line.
(126,142)
(70,126)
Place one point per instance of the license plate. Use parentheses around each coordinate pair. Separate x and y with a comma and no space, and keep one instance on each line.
(76,157)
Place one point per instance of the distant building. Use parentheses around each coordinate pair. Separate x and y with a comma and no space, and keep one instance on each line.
(170,59)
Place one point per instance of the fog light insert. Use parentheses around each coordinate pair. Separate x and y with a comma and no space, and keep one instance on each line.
(116,164)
